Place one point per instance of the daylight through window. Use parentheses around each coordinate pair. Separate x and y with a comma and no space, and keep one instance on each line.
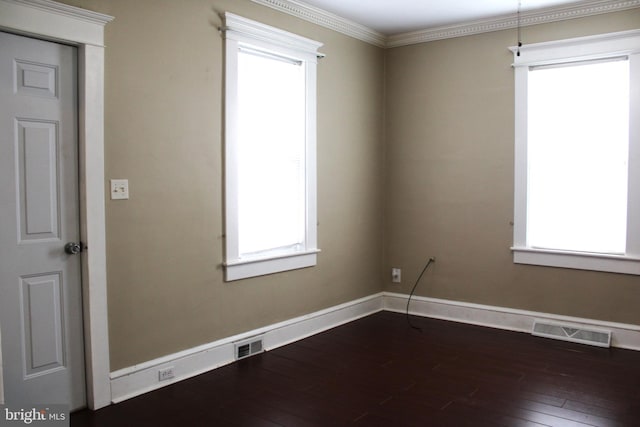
(578,142)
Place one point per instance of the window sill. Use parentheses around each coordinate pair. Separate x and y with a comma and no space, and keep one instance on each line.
(252,267)
(624,264)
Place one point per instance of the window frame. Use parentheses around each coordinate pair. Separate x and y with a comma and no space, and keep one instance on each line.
(611,45)
(242,32)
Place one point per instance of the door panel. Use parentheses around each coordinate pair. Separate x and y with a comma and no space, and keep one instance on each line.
(40,292)
(43,337)
(35,79)
(37,170)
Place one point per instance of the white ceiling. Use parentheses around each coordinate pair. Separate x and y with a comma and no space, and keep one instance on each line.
(400,16)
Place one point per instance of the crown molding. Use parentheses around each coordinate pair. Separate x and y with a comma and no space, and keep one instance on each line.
(327,20)
(542,16)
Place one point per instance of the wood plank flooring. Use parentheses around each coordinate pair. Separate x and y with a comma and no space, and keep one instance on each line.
(378,371)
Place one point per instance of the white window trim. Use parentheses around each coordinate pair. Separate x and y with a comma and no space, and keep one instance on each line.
(626,43)
(240,31)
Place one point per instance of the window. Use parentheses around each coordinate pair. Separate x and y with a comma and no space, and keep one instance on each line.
(577,165)
(270,149)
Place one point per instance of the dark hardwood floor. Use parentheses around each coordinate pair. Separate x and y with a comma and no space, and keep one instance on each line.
(378,371)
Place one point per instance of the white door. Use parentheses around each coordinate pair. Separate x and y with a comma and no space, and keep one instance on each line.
(40,292)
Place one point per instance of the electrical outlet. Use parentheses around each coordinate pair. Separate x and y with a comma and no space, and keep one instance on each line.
(165,373)
(396,275)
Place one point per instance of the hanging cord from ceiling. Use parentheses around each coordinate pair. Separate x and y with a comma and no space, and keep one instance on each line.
(431,259)
(519,27)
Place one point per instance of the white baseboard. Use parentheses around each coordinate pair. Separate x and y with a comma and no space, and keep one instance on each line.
(622,335)
(142,378)
(135,380)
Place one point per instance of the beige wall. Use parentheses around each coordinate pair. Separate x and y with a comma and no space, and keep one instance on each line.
(164,104)
(449,186)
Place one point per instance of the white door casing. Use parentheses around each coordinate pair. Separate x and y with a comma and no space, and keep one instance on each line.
(40,297)
(84,29)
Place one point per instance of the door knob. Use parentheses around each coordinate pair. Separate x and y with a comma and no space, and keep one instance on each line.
(73,248)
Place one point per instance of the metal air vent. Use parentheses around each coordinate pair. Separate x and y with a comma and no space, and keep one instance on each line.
(248,347)
(573,333)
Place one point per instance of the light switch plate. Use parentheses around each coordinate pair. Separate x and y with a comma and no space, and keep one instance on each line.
(119,189)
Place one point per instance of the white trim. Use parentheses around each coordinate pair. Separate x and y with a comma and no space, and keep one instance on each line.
(135,380)
(243,268)
(577,260)
(54,21)
(246,30)
(240,269)
(352,29)
(622,335)
(242,32)
(596,46)
(257,260)
(600,46)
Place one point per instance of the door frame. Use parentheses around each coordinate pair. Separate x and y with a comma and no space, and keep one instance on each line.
(49,20)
